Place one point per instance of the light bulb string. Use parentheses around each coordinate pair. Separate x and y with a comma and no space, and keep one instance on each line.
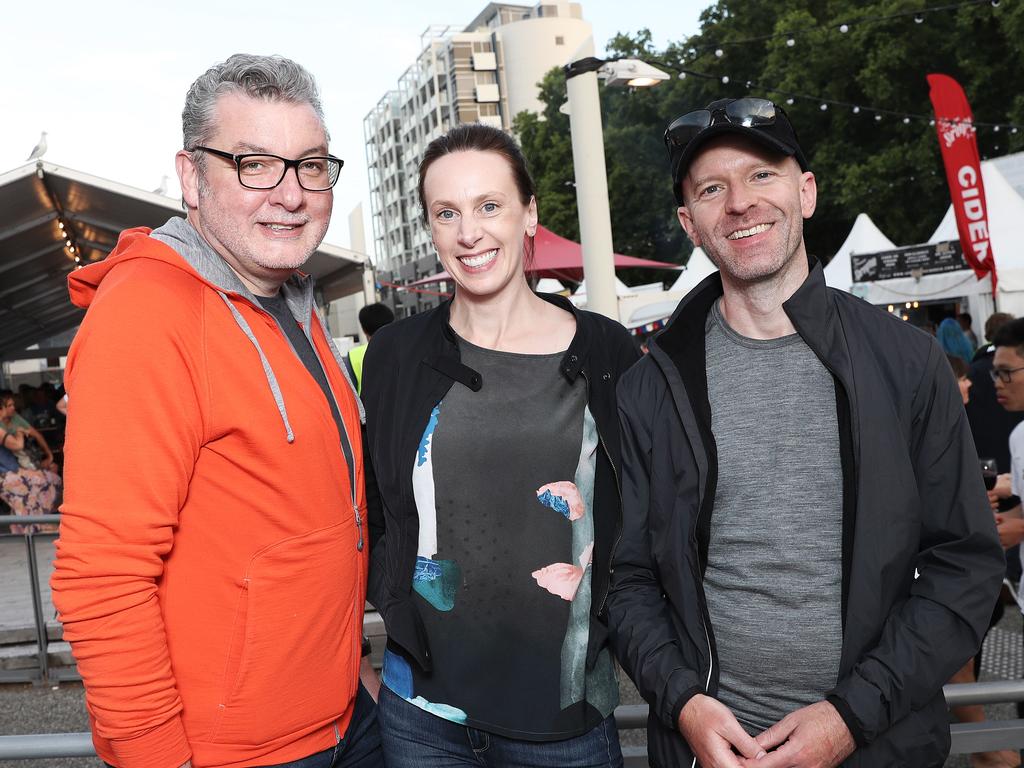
(699,49)
(66,229)
(856,108)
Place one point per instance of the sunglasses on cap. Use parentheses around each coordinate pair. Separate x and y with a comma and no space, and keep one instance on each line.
(749,113)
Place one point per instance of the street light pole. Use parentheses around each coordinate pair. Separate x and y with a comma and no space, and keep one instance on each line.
(584,106)
(592,188)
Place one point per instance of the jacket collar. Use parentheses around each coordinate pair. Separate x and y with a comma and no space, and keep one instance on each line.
(179,234)
(811,310)
(446,359)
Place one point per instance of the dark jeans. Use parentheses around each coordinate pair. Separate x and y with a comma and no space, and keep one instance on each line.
(360,747)
(413,738)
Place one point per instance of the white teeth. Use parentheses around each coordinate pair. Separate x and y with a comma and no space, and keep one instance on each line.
(281,227)
(750,232)
(479,260)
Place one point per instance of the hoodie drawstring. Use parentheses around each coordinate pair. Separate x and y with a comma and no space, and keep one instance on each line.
(275,388)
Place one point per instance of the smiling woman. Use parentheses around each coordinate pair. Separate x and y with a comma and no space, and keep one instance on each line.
(496,453)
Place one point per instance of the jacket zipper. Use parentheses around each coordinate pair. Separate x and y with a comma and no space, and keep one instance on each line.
(618,491)
(705,617)
(345,439)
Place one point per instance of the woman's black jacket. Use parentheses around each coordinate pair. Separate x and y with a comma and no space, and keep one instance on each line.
(409,367)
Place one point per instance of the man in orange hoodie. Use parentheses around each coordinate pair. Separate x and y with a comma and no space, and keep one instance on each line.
(211,580)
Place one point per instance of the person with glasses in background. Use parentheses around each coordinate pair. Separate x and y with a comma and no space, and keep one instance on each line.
(791,455)
(211,580)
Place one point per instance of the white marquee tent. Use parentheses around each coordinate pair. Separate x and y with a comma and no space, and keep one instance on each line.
(864,237)
(1006,228)
(697,268)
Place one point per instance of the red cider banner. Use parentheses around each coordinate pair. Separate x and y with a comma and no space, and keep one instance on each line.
(955,126)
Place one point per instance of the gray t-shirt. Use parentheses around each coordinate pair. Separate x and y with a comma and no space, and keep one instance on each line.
(774,575)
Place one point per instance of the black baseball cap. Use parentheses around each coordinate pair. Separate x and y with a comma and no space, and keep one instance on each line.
(758,119)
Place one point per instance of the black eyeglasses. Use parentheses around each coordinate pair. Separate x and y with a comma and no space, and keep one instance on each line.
(263,171)
(1004,375)
(747,112)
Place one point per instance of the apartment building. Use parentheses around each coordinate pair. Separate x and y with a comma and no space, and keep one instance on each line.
(485,71)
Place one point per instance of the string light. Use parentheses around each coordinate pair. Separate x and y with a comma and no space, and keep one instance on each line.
(65,229)
(843,27)
(790,98)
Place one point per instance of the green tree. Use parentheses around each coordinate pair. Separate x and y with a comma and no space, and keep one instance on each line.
(888,168)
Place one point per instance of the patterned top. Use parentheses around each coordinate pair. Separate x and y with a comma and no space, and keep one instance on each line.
(504,483)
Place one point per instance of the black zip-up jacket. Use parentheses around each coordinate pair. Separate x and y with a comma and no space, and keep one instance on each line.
(409,367)
(913,498)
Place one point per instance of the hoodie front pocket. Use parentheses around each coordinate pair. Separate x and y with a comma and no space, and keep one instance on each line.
(292,660)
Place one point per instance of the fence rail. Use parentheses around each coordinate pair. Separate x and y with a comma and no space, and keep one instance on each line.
(966,737)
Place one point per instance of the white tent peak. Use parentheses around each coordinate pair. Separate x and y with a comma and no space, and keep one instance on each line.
(864,237)
(697,268)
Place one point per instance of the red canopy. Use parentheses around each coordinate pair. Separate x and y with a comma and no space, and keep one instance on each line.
(561,259)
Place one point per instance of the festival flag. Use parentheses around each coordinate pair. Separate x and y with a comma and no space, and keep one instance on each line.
(958,142)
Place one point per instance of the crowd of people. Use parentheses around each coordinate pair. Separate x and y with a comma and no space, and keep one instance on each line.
(775,521)
(30,480)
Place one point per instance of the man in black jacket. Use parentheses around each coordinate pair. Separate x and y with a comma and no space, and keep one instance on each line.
(807,553)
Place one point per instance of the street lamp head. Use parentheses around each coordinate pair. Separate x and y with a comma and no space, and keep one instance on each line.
(631,73)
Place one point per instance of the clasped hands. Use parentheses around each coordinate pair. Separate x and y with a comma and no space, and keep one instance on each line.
(811,737)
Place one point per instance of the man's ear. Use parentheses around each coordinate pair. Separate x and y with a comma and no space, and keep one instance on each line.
(686,221)
(188,177)
(808,194)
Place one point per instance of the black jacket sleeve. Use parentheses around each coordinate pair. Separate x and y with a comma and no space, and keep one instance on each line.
(960,566)
(642,628)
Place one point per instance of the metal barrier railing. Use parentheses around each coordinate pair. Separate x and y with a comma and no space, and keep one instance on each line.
(966,738)
(41,672)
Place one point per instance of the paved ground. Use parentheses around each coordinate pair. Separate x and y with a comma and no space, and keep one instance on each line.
(60,709)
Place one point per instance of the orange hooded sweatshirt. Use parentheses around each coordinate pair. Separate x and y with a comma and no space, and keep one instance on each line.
(211,567)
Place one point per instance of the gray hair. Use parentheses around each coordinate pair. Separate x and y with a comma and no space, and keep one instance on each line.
(271,78)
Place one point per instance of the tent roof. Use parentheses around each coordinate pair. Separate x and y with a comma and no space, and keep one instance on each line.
(561,258)
(1006,230)
(697,268)
(1012,168)
(864,237)
(34,262)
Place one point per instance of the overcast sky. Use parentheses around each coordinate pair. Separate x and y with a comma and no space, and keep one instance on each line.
(107,79)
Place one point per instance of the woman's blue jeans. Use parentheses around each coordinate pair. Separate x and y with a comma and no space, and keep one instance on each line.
(413,738)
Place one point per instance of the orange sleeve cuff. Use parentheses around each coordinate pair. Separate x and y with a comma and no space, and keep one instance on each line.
(165,746)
